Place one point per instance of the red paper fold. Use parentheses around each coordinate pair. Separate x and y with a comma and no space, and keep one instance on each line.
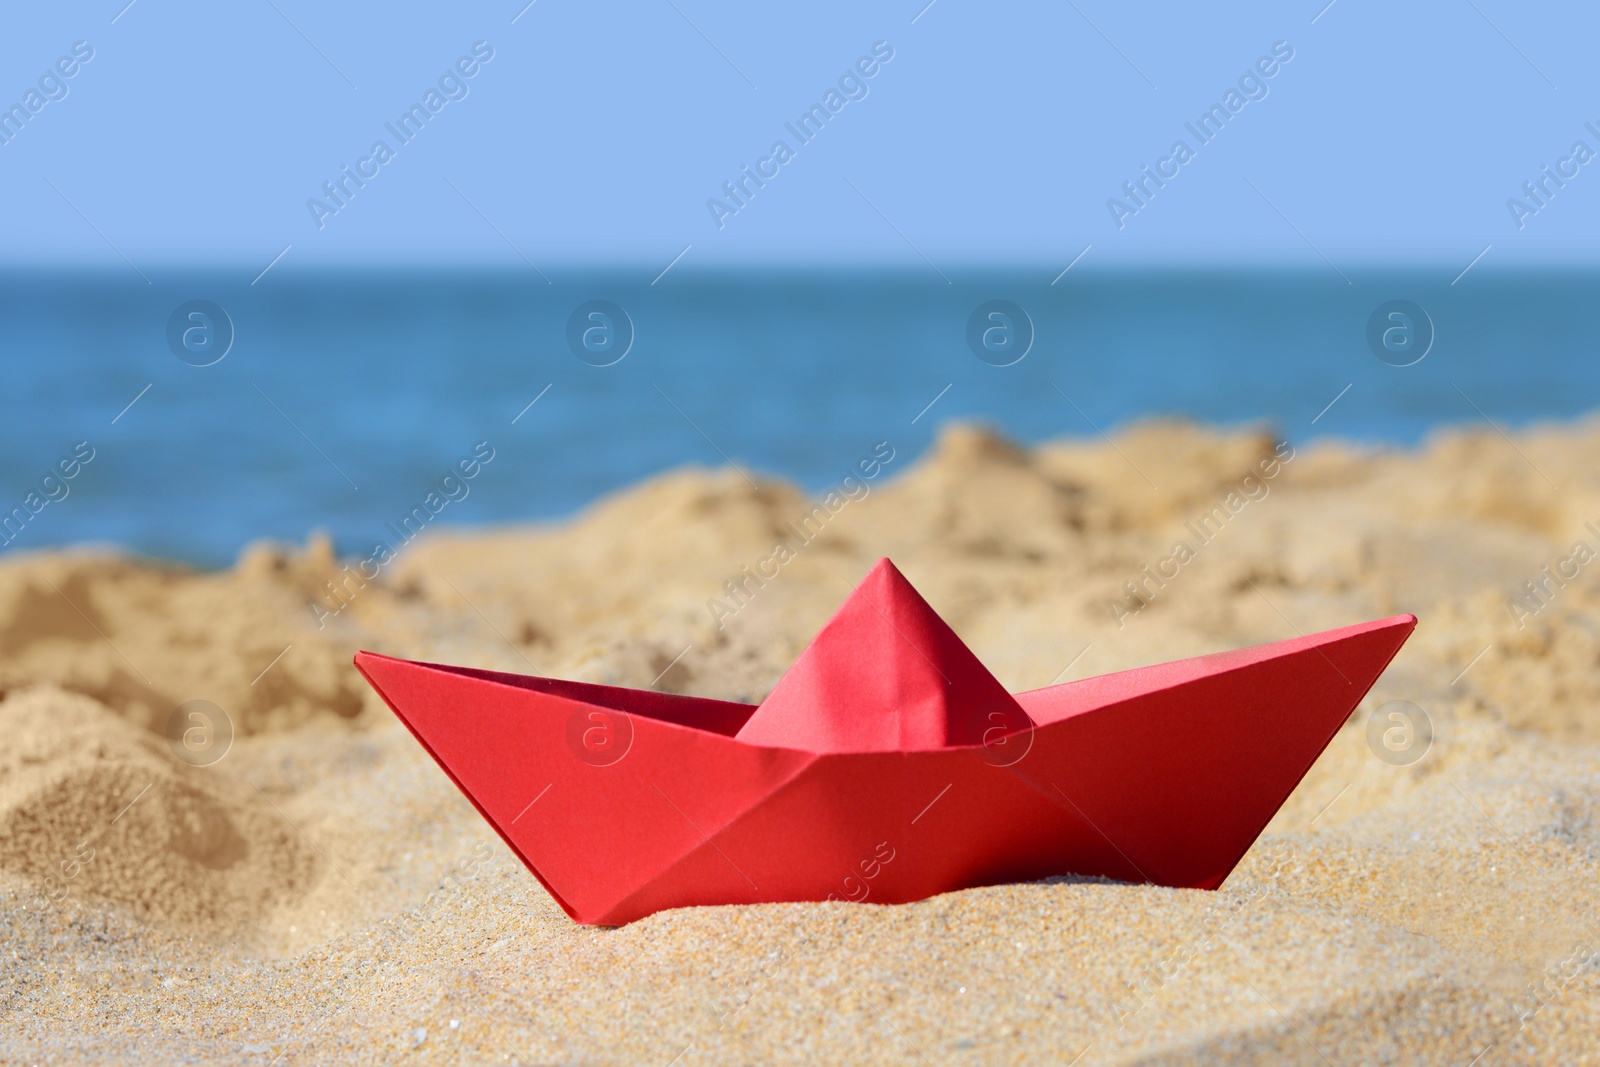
(886,674)
(878,770)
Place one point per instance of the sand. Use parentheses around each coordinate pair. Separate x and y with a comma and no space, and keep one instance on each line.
(322,894)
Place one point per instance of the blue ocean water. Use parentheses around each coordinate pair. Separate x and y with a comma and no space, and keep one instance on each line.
(345,397)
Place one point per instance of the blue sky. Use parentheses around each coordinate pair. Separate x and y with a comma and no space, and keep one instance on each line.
(598,133)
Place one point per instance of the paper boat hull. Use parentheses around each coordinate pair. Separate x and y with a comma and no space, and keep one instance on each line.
(625,802)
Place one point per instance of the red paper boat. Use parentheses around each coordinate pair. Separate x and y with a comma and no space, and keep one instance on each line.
(888,765)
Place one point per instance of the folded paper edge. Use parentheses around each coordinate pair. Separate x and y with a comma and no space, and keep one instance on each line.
(566,906)
(1268,650)
(590,916)
(1409,622)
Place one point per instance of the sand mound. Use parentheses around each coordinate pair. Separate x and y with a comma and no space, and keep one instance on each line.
(142,639)
(93,809)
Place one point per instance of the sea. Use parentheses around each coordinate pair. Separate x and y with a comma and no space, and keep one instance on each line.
(218,409)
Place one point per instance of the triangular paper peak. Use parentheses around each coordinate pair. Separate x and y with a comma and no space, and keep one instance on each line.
(885,674)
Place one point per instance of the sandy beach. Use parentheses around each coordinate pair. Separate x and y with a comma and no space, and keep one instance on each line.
(321,893)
